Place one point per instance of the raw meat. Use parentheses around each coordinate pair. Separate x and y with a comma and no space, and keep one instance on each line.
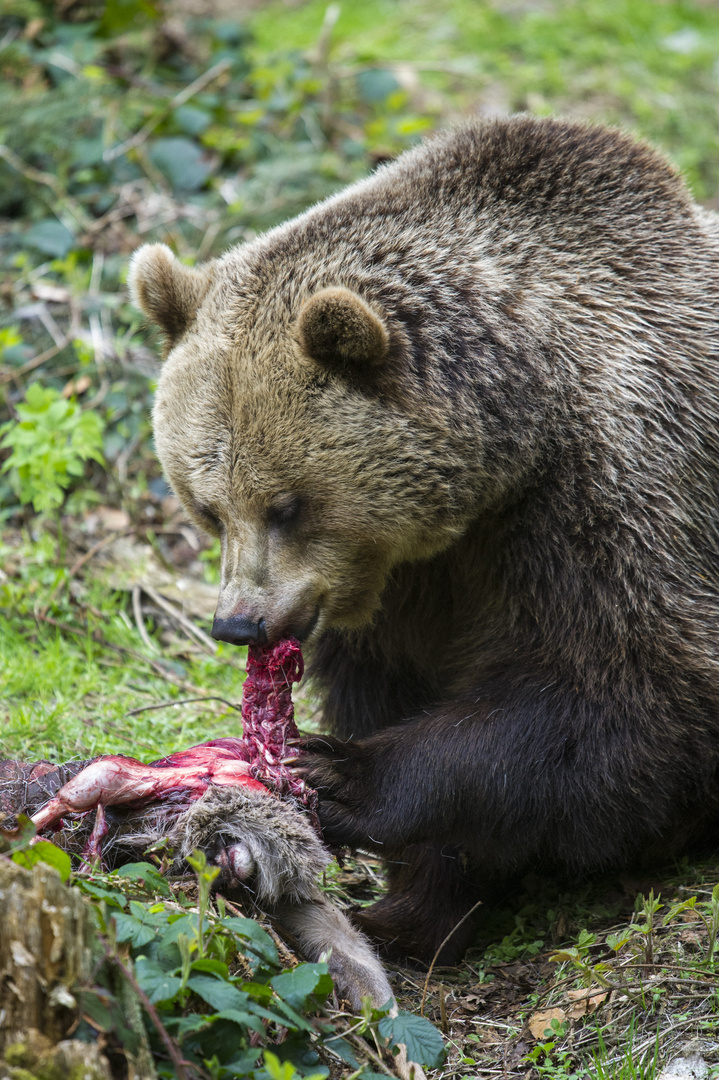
(256,761)
(268,717)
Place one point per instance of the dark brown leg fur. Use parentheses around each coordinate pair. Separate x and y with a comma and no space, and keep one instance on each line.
(429,894)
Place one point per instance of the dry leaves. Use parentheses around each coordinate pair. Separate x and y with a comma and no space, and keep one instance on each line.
(579,1003)
(541,1022)
(584,1002)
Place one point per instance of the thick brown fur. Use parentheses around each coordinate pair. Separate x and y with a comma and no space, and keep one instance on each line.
(336,326)
(501,543)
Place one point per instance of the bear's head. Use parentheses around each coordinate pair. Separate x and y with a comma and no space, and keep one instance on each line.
(284,426)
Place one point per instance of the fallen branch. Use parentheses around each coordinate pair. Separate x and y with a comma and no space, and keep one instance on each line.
(181,618)
(139,621)
(30,365)
(182,701)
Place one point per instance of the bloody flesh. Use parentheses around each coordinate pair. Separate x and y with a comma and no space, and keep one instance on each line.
(268,718)
(257,760)
(116,780)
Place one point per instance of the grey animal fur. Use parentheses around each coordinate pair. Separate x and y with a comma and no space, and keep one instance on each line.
(284,849)
(286,859)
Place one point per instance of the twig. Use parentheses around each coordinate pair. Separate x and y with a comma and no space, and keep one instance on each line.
(320,53)
(182,701)
(182,619)
(139,621)
(30,365)
(179,99)
(172,1050)
(454,929)
(443,1009)
(363,1045)
(50,325)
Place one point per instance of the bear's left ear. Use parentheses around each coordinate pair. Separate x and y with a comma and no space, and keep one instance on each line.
(167,292)
(338,329)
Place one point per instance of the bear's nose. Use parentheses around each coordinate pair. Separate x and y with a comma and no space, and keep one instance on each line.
(239,630)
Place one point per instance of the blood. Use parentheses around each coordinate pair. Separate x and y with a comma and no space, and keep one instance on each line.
(116,780)
(268,717)
(258,760)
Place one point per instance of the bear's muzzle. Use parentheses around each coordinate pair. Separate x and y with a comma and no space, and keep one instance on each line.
(239,630)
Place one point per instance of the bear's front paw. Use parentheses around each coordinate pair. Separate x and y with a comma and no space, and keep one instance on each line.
(341,773)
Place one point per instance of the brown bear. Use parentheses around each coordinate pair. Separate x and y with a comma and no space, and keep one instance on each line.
(457,428)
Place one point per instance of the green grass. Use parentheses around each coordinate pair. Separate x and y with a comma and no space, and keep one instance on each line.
(649,65)
(68,694)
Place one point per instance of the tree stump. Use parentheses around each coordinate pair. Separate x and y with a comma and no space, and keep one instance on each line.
(45,950)
(49,952)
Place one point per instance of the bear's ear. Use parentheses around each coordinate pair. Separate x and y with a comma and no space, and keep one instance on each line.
(165,290)
(338,329)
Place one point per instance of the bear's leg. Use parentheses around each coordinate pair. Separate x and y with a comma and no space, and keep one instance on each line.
(526,772)
(429,894)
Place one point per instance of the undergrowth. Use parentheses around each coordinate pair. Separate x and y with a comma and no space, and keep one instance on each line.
(212,983)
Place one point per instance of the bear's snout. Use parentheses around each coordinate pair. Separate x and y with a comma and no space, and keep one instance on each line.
(239,630)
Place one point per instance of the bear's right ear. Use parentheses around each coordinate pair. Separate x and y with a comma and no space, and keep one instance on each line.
(337,328)
(167,292)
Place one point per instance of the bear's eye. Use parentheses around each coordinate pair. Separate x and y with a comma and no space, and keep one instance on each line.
(209,519)
(284,510)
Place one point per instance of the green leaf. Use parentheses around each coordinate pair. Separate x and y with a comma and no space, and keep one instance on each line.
(287,1015)
(139,927)
(188,1025)
(257,940)
(182,161)
(344,1051)
(216,967)
(218,993)
(258,991)
(120,16)
(159,985)
(238,1016)
(49,442)
(285,1070)
(304,982)
(50,237)
(144,872)
(376,84)
(192,120)
(245,1063)
(43,851)
(424,1043)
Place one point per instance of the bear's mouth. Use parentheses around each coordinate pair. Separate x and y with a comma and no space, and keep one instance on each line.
(306,631)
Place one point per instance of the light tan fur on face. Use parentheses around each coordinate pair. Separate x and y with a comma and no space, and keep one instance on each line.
(253,423)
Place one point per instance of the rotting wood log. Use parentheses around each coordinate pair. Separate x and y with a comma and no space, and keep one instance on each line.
(45,950)
(48,953)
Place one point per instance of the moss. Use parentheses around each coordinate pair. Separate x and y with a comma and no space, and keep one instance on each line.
(20,1054)
(48,1069)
